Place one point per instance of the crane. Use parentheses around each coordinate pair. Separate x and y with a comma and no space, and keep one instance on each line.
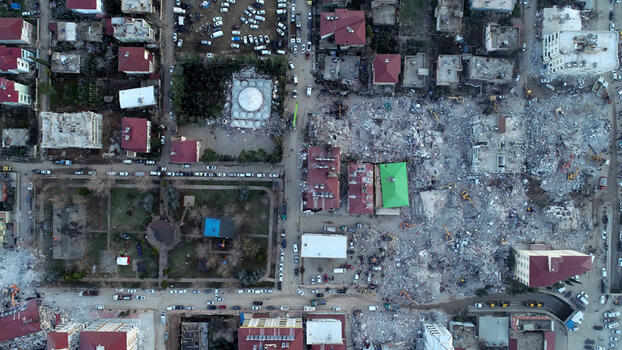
(573,175)
(14,289)
(458,99)
(465,195)
(448,236)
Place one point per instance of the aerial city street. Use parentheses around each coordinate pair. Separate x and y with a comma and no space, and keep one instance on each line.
(310,174)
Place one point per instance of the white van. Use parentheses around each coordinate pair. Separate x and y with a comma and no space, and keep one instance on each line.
(260,47)
(280,52)
(180,20)
(373,308)
(339,270)
(266,52)
(295,79)
(217,34)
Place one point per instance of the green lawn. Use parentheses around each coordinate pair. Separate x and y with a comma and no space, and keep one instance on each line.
(411,10)
(257,261)
(96,243)
(254,209)
(126,209)
(177,261)
(75,95)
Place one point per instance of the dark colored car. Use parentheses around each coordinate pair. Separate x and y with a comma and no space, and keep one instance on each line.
(325,277)
(211,307)
(319,295)
(258,303)
(235,26)
(611,15)
(271,307)
(296,271)
(342,290)
(236,307)
(284,243)
(179,307)
(278,285)
(598,328)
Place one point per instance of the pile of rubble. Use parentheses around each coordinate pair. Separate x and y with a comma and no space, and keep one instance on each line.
(464,224)
(384,328)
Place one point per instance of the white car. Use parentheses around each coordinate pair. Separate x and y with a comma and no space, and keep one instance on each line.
(180,42)
(282,33)
(309,87)
(218,24)
(280,277)
(603,272)
(235,46)
(256,307)
(612,314)
(291,65)
(216,19)
(209,302)
(300,291)
(295,248)
(224,10)
(140,297)
(224,4)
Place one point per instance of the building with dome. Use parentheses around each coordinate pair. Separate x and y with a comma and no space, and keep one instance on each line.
(251,103)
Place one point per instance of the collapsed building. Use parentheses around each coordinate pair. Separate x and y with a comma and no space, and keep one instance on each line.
(498,38)
(448,68)
(498,144)
(449,15)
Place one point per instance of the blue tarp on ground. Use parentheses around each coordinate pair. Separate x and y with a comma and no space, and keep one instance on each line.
(16,6)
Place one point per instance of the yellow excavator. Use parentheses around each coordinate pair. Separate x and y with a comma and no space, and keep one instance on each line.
(465,195)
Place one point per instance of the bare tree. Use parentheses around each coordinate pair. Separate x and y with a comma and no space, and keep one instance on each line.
(100,184)
(144,183)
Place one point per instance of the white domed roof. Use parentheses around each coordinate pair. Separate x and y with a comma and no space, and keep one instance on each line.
(250,99)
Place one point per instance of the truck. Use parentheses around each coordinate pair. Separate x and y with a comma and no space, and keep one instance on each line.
(602,183)
(391,306)
(178,10)
(339,270)
(122,297)
(88,293)
(309,308)
(316,302)
(284,212)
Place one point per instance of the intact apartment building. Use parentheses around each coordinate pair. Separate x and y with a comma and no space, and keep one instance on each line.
(132,30)
(14,94)
(135,60)
(345,27)
(436,337)
(85,7)
(540,266)
(106,334)
(66,337)
(16,31)
(135,135)
(271,333)
(15,60)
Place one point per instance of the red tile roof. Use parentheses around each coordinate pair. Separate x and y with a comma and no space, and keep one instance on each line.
(134,134)
(513,344)
(7,91)
(348,27)
(360,188)
(549,338)
(58,340)
(89,340)
(11,28)
(184,152)
(323,169)
(81,4)
(134,59)
(560,269)
(246,338)
(387,68)
(8,57)
(340,317)
(22,322)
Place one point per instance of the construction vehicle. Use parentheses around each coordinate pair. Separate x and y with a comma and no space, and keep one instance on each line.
(504,303)
(491,304)
(13,289)
(573,175)
(448,236)
(567,164)
(449,185)
(406,225)
(434,115)
(465,195)
(458,99)
(527,92)
(461,282)
(533,304)
(391,306)
(405,294)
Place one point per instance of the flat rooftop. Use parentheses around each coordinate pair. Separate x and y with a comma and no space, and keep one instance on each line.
(344,68)
(131,29)
(498,144)
(581,52)
(489,69)
(15,137)
(416,71)
(493,5)
(66,62)
(323,246)
(136,6)
(501,38)
(383,12)
(449,15)
(67,130)
(447,69)
(558,19)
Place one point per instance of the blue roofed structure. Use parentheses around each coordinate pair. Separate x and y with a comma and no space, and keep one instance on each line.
(218,228)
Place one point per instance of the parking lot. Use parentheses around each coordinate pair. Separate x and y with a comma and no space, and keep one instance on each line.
(204,18)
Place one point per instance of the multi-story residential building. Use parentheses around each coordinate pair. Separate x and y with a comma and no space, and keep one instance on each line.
(135,60)
(132,30)
(16,31)
(540,266)
(15,60)
(86,7)
(12,93)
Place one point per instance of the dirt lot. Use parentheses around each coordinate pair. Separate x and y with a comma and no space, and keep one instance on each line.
(197,17)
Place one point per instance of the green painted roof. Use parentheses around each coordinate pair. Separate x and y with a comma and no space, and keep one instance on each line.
(394,182)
